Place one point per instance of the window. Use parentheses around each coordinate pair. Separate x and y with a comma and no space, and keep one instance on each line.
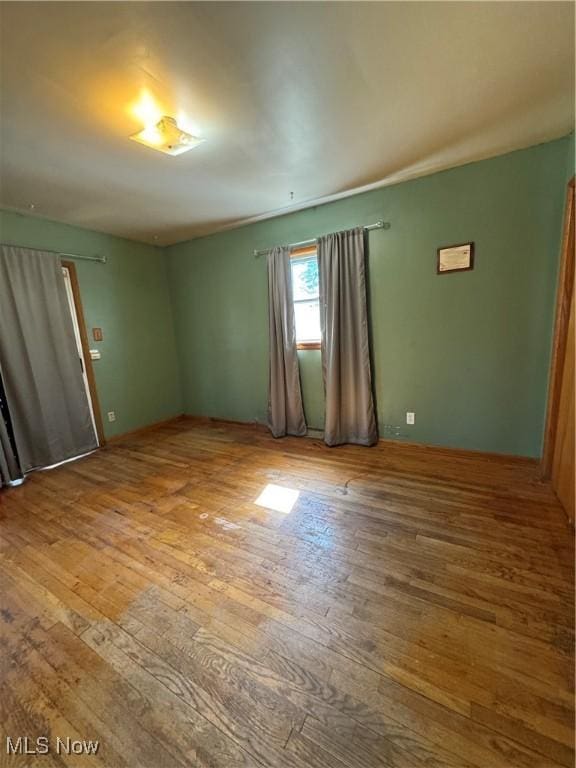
(306,296)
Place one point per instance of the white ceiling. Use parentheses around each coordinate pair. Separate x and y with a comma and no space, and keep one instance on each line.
(317,99)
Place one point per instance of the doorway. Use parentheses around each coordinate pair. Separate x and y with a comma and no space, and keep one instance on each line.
(75,304)
(558,453)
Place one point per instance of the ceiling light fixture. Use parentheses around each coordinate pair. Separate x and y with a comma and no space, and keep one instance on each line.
(165,136)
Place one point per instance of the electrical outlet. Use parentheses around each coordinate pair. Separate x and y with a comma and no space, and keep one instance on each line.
(111,416)
(409,417)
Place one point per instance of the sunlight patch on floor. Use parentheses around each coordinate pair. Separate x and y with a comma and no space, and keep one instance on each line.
(278,498)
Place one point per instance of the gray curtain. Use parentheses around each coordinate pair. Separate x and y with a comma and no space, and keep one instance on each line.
(40,366)
(285,411)
(345,345)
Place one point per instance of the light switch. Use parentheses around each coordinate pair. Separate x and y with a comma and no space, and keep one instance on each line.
(97,334)
(95,354)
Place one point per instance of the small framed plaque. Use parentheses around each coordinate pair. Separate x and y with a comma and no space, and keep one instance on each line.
(455,258)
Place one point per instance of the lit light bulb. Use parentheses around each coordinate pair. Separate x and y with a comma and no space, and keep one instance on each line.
(146,109)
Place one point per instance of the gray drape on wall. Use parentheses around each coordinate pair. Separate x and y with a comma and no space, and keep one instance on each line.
(285,410)
(345,347)
(40,366)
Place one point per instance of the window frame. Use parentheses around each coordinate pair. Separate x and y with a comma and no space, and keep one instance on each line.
(300,253)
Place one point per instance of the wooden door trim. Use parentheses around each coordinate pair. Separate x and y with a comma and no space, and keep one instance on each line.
(71,267)
(563,298)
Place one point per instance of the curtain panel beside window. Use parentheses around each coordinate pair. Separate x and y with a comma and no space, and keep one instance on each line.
(350,416)
(285,409)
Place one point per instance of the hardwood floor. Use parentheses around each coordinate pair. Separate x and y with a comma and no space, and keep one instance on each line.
(414,608)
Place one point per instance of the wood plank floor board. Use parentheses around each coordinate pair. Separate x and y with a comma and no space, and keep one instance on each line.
(414,608)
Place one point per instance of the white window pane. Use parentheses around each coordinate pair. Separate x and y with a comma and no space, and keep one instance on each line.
(305,278)
(307,315)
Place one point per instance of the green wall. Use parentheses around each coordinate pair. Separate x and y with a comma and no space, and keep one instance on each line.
(468,353)
(128,297)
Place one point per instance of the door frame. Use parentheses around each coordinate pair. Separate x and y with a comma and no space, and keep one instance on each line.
(563,298)
(71,267)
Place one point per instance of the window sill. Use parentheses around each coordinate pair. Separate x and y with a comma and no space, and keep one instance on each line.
(308,345)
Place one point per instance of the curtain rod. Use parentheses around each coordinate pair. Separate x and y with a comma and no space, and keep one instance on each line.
(378,225)
(99,259)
